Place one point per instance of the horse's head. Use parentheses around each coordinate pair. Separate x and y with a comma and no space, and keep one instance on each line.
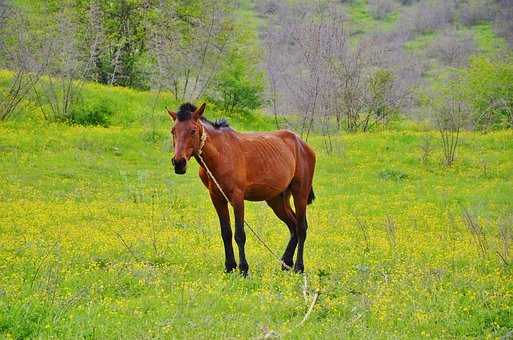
(186,133)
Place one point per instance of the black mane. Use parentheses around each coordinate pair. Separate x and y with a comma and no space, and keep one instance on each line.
(218,123)
(185,113)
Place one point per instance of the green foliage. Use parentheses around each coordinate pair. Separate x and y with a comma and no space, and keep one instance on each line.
(381,102)
(487,40)
(114,37)
(362,20)
(117,30)
(118,106)
(92,113)
(487,85)
(391,174)
(420,42)
(238,87)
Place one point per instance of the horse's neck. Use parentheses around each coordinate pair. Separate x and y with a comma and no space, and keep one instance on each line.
(212,150)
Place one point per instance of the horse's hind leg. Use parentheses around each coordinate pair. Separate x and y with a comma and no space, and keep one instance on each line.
(281,207)
(300,194)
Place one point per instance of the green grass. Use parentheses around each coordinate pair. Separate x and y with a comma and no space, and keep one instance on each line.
(361,21)
(72,197)
(421,42)
(487,40)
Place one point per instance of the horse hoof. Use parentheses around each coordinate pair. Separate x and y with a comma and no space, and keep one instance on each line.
(244,272)
(244,268)
(286,266)
(299,268)
(229,268)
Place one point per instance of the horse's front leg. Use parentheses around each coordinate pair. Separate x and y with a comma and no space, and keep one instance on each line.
(240,235)
(226,231)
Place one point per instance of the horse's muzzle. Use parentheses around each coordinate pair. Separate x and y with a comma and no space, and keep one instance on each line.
(180,165)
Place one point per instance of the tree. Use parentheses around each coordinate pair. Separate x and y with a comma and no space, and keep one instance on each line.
(68,63)
(115,33)
(22,51)
(304,44)
(487,86)
(237,87)
(314,70)
(189,41)
(381,103)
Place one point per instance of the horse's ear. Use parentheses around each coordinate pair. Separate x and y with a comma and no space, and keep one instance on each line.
(199,112)
(171,113)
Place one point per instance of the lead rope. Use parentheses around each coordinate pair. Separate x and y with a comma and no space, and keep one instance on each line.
(203,139)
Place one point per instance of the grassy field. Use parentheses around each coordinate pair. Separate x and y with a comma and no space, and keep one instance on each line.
(100,239)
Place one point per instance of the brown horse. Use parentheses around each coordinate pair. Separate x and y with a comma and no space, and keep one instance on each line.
(267,166)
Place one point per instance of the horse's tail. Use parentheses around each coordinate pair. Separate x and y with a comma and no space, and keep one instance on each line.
(311,196)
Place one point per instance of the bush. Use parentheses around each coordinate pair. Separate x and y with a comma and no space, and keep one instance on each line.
(239,86)
(382,101)
(453,49)
(408,2)
(96,113)
(393,175)
(450,120)
(476,11)
(504,20)
(430,16)
(379,9)
(487,85)
(267,7)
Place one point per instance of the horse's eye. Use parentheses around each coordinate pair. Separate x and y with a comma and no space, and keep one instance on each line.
(193,132)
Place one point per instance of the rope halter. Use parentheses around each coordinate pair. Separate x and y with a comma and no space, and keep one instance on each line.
(203,140)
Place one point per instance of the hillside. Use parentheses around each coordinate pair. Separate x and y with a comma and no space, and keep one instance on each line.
(345,61)
(352,59)
(106,106)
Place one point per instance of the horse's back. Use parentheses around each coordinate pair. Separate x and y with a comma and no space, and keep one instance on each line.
(273,160)
(282,144)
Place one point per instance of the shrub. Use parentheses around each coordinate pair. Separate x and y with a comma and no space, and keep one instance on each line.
(451,114)
(429,16)
(453,49)
(238,87)
(91,113)
(267,7)
(407,2)
(379,9)
(391,174)
(382,101)
(18,54)
(476,11)
(504,20)
(450,120)
(487,85)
